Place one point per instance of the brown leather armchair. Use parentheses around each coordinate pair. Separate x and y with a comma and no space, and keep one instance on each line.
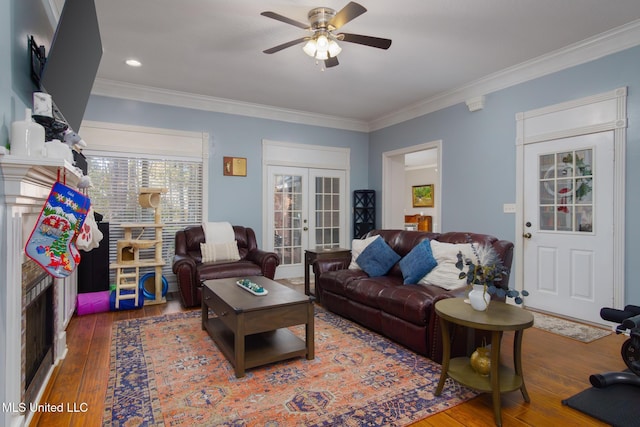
(191,271)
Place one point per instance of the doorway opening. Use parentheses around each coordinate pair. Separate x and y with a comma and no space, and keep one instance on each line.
(404,169)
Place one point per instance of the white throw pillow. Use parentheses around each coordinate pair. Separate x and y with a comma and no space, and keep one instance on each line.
(445,274)
(357,246)
(218,232)
(220,251)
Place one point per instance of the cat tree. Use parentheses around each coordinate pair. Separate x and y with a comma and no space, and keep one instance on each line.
(135,253)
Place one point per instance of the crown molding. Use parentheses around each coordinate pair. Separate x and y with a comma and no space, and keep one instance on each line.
(607,43)
(604,44)
(154,95)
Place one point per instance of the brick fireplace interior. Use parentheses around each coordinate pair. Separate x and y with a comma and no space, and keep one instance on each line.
(37,329)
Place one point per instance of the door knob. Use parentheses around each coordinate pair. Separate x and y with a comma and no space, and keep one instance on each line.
(527,235)
(305,228)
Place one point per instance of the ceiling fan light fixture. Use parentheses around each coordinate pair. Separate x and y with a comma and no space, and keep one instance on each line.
(322,55)
(321,48)
(322,42)
(334,48)
(310,48)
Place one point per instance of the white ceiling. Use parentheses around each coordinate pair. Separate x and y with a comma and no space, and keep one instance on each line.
(212,49)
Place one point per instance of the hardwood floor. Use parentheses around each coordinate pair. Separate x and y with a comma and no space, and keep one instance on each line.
(555,368)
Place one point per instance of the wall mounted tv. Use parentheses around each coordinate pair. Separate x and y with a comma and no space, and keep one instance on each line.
(72,63)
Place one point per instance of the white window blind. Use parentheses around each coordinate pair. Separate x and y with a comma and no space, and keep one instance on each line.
(116,184)
(122,159)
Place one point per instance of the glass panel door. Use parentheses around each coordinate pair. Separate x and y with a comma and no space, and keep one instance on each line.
(329,218)
(289,217)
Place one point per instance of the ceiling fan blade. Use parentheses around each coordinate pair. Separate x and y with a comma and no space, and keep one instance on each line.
(365,40)
(284,19)
(286,45)
(331,62)
(346,14)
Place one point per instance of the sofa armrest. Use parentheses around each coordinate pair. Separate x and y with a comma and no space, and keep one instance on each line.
(268,261)
(183,261)
(330,264)
(184,268)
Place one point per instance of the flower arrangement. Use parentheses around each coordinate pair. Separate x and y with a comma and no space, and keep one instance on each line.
(488,271)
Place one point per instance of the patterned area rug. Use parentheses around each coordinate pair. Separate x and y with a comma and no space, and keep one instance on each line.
(167,371)
(567,328)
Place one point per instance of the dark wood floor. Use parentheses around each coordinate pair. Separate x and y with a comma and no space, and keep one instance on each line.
(555,368)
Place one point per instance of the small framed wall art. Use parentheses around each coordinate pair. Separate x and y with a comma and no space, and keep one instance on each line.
(422,196)
(235,166)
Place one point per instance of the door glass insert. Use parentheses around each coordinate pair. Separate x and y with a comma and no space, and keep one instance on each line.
(287,208)
(327,211)
(565,189)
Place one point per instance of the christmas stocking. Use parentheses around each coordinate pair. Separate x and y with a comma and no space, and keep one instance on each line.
(52,241)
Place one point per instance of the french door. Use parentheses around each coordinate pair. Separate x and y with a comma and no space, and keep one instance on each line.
(307,209)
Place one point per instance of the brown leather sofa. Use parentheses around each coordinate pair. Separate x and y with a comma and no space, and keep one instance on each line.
(384,304)
(191,271)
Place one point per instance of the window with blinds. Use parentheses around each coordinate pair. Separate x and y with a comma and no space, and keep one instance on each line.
(122,159)
(116,183)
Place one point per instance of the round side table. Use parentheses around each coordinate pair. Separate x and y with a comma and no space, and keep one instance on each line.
(499,317)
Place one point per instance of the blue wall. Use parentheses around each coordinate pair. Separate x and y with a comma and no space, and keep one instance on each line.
(238,200)
(19,20)
(478,149)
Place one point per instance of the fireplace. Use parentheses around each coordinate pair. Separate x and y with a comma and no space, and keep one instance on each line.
(35,308)
(38,329)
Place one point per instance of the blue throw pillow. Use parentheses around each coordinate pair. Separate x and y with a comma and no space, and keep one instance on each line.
(377,258)
(417,263)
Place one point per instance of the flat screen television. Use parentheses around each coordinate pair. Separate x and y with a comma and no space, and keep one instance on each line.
(72,62)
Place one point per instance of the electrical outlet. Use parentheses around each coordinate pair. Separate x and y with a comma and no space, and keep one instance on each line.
(509,208)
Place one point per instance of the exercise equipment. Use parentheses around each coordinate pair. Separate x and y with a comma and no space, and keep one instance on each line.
(629,323)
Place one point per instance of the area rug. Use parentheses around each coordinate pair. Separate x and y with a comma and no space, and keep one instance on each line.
(166,371)
(616,405)
(567,328)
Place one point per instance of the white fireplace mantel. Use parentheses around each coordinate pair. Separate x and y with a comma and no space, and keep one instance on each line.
(25,183)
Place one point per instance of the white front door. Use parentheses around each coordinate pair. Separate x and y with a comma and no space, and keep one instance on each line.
(307,209)
(568,225)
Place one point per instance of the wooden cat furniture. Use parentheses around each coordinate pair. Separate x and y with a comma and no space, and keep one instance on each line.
(135,253)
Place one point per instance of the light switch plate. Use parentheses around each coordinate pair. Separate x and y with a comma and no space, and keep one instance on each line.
(509,208)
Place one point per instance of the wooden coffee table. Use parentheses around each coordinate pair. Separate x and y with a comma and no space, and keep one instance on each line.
(251,330)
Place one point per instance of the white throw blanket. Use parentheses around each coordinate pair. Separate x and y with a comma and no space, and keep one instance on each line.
(218,232)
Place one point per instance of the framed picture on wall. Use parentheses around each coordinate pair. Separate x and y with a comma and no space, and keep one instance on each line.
(235,166)
(422,196)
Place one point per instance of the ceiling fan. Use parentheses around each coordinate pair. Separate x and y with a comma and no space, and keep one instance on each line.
(322,44)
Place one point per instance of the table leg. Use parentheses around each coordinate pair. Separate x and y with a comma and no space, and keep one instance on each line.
(205,314)
(239,349)
(517,362)
(496,338)
(310,337)
(446,355)
(307,284)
